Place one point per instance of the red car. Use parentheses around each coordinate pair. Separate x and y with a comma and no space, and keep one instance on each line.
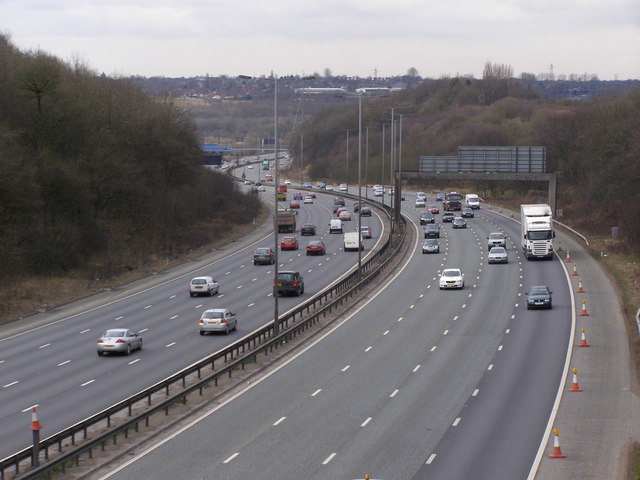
(316,247)
(294,205)
(289,243)
(433,209)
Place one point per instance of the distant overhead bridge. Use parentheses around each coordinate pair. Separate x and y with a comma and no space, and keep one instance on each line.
(488,163)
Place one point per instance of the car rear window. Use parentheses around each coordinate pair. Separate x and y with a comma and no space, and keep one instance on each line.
(114,333)
(285,277)
(213,315)
(262,251)
(198,281)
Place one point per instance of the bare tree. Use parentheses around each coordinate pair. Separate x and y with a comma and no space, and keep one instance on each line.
(496,80)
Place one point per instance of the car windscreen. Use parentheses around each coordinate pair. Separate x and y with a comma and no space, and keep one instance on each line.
(451,273)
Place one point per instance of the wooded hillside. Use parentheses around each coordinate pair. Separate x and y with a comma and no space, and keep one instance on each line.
(96,176)
(594,143)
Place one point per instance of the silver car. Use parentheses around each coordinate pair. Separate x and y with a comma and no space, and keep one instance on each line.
(498,255)
(119,340)
(217,320)
(431,245)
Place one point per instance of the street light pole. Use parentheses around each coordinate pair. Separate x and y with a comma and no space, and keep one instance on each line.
(276,179)
(359,186)
(347,181)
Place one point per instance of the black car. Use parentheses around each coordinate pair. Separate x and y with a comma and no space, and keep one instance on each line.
(539,296)
(432,231)
(448,216)
(467,212)
(338,201)
(290,283)
(308,229)
(427,217)
(365,212)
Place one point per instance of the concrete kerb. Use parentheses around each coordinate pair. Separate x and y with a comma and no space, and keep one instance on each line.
(600,424)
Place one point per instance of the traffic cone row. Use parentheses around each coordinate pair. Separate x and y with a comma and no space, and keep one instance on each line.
(574,384)
(556,452)
(583,340)
(583,312)
(35,424)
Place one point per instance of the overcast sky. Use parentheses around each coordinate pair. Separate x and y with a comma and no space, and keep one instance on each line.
(185,38)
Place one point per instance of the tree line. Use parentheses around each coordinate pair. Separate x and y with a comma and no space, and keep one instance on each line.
(96,175)
(593,144)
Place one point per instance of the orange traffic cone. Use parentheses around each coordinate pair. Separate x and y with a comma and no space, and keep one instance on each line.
(568,259)
(584,313)
(574,384)
(583,340)
(580,289)
(575,270)
(35,424)
(556,452)
(559,246)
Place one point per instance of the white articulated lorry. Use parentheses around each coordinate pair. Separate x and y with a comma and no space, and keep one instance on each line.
(537,231)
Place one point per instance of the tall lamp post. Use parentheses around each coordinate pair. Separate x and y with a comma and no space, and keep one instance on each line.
(276,182)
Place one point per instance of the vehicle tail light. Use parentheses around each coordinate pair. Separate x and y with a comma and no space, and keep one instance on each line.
(120,341)
(100,341)
(223,320)
(295,283)
(201,320)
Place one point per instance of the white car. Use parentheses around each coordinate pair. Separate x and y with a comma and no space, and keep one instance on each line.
(261,188)
(420,203)
(451,278)
(329,188)
(287,182)
(343,187)
(250,166)
(308,199)
(203,286)
(422,195)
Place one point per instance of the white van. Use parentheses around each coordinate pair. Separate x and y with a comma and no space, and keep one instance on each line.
(472,200)
(335,226)
(351,240)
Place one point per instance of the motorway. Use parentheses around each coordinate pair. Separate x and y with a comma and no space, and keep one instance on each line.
(415,383)
(54,366)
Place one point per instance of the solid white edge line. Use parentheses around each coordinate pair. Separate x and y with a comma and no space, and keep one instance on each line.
(563,381)
(431,458)
(268,374)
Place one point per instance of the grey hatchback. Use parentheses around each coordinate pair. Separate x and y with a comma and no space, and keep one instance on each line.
(263,256)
